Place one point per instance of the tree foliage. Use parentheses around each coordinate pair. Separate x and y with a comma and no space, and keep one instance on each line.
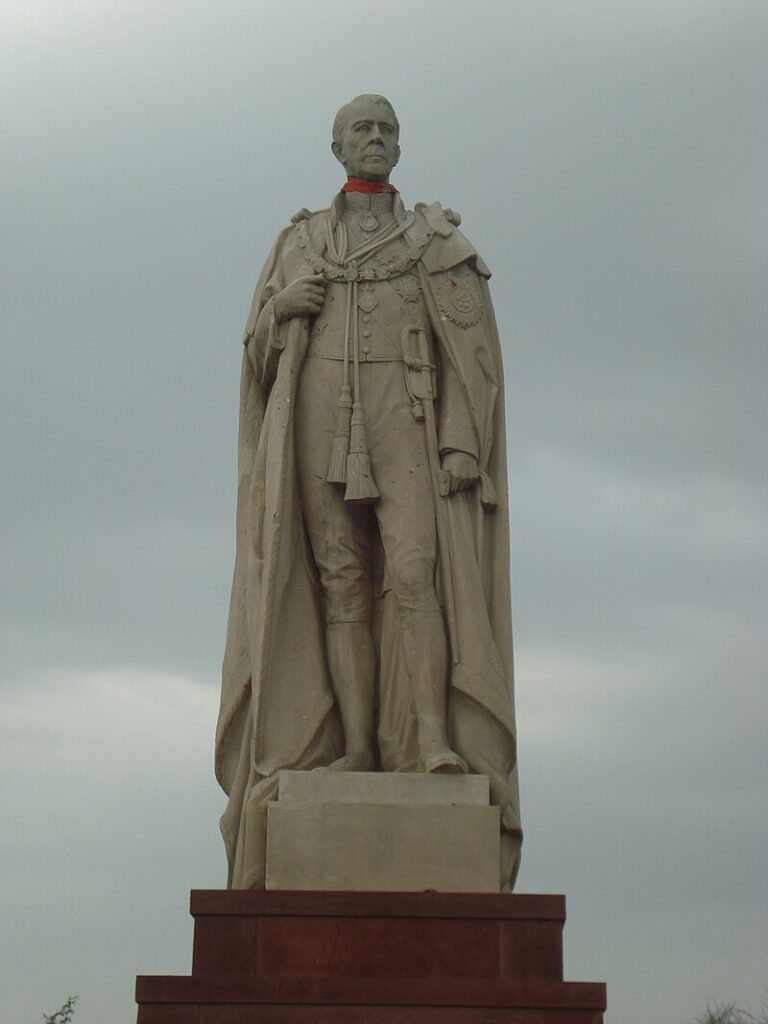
(64,1015)
(730,1013)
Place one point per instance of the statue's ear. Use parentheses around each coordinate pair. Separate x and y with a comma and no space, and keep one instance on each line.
(397,157)
(336,150)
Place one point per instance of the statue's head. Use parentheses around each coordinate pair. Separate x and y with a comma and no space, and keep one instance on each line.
(365,134)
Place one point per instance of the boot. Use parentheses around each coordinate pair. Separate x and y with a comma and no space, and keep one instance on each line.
(426,657)
(352,664)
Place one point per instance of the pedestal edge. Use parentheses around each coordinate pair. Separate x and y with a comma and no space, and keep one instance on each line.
(565,995)
(311,903)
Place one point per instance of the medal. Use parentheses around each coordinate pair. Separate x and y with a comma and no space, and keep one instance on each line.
(366,300)
(459,299)
(369,224)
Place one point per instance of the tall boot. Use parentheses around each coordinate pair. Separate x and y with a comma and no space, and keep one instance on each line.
(426,657)
(352,664)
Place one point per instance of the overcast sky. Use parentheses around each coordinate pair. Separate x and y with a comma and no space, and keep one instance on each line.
(609,161)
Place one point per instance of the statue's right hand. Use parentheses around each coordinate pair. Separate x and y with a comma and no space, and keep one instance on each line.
(303,297)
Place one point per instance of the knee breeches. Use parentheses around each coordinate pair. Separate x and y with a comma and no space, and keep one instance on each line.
(340,532)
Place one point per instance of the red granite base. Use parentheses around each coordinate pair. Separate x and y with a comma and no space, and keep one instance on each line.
(373,958)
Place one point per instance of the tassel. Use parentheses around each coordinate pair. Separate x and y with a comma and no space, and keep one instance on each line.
(337,464)
(488,497)
(361,487)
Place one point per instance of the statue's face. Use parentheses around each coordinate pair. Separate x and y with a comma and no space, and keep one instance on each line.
(368,147)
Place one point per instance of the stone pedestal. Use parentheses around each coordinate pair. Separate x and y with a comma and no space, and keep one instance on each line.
(418,932)
(373,958)
(377,832)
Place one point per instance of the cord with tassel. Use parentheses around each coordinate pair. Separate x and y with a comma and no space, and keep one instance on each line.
(337,464)
(361,487)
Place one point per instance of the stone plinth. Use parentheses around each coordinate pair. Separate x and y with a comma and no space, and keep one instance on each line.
(373,958)
(377,832)
(408,788)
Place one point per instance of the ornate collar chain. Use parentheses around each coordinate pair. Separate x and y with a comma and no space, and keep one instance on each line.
(349,268)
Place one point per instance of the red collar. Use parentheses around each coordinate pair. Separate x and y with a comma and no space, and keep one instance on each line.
(367,185)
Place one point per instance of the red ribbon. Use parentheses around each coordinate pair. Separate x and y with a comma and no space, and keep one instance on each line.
(368,185)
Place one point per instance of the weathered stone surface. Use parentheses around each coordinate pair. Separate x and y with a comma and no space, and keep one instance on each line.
(383,847)
(382,788)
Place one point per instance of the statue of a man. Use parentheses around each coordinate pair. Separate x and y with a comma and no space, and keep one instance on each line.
(369,624)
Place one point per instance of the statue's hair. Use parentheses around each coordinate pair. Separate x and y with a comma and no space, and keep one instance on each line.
(341,117)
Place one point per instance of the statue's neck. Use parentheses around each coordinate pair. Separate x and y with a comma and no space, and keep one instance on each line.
(367,185)
(359,202)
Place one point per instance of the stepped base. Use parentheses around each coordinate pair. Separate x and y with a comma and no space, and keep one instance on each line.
(373,958)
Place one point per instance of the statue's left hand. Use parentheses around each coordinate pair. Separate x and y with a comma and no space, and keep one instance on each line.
(461,470)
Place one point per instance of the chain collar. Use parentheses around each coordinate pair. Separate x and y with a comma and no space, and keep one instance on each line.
(382,270)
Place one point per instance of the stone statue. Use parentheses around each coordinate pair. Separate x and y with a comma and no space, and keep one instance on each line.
(369,624)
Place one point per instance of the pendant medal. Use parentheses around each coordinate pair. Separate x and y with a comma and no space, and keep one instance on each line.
(367,300)
(369,224)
